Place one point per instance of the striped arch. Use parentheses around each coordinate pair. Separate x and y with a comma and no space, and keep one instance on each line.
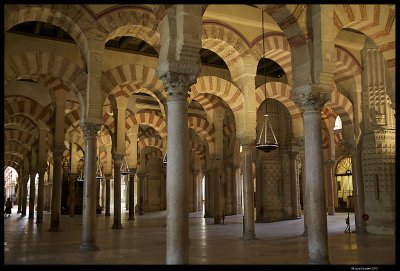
(131,20)
(226,42)
(21,136)
(219,87)
(154,154)
(21,122)
(376,21)
(15,105)
(347,65)
(289,17)
(75,135)
(139,75)
(276,48)
(325,139)
(342,107)
(338,138)
(73,19)
(24,145)
(14,156)
(71,106)
(207,101)
(41,63)
(13,146)
(151,142)
(203,127)
(70,119)
(194,145)
(280,92)
(154,121)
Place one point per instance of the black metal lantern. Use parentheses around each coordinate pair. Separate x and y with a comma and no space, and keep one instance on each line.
(124,167)
(266,141)
(164,160)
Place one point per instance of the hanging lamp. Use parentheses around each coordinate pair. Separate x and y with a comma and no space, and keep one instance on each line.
(266,141)
(99,173)
(124,167)
(164,160)
(81,177)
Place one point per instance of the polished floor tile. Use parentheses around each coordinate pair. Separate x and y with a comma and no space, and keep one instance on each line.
(142,241)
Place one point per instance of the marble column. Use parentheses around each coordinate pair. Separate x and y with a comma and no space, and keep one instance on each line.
(317,230)
(329,186)
(55,219)
(98,184)
(177,244)
(118,159)
(303,183)
(40,199)
(132,172)
(108,194)
(72,183)
(32,191)
(259,192)
(248,190)
(89,188)
(294,185)
(209,190)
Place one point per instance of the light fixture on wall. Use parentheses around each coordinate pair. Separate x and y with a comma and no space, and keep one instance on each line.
(164,160)
(124,167)
(266,140)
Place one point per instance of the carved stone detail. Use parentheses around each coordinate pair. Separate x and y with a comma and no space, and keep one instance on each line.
(312,102)
(178,85)
(90,130)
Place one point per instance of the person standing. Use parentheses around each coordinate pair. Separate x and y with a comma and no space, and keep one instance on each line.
(7,211)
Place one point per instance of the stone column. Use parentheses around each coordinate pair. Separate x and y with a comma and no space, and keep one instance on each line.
(207,196)
(40,200)
(32,191)
(98,184)
(358,186)
(177,246)
(24,192)
(195,181)
(141,177)
(89,189)
(294,185)
(72,183)
(132,172)
(259,192)
(228,180)
(108,194)
(55,219)
(317,230)
(19,194)
(329,186)
(217,190)
(118,159)
(248,190)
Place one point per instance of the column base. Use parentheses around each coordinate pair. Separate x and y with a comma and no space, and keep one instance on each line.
(54,229)
(117,226)
(249,236)
(88,247)
(319,261)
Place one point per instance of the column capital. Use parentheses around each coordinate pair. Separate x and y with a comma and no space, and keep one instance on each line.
(177,85)
(58,150)
(107,176)
(312,101)
(90,129)
(132,171)
(118,158)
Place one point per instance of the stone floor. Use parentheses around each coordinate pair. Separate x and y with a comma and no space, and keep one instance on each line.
(142,241)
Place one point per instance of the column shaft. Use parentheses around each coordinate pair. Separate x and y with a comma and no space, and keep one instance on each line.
(72,182)
(294,186)
(89,190)
(132,194)
(55,219)
(32,191)
(40,199)
(117,191)
(358,190)
(24,194)
(108,194)
(314,189)
(329,187)
(248,190)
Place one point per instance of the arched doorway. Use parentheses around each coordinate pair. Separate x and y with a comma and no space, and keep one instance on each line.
(344,184)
